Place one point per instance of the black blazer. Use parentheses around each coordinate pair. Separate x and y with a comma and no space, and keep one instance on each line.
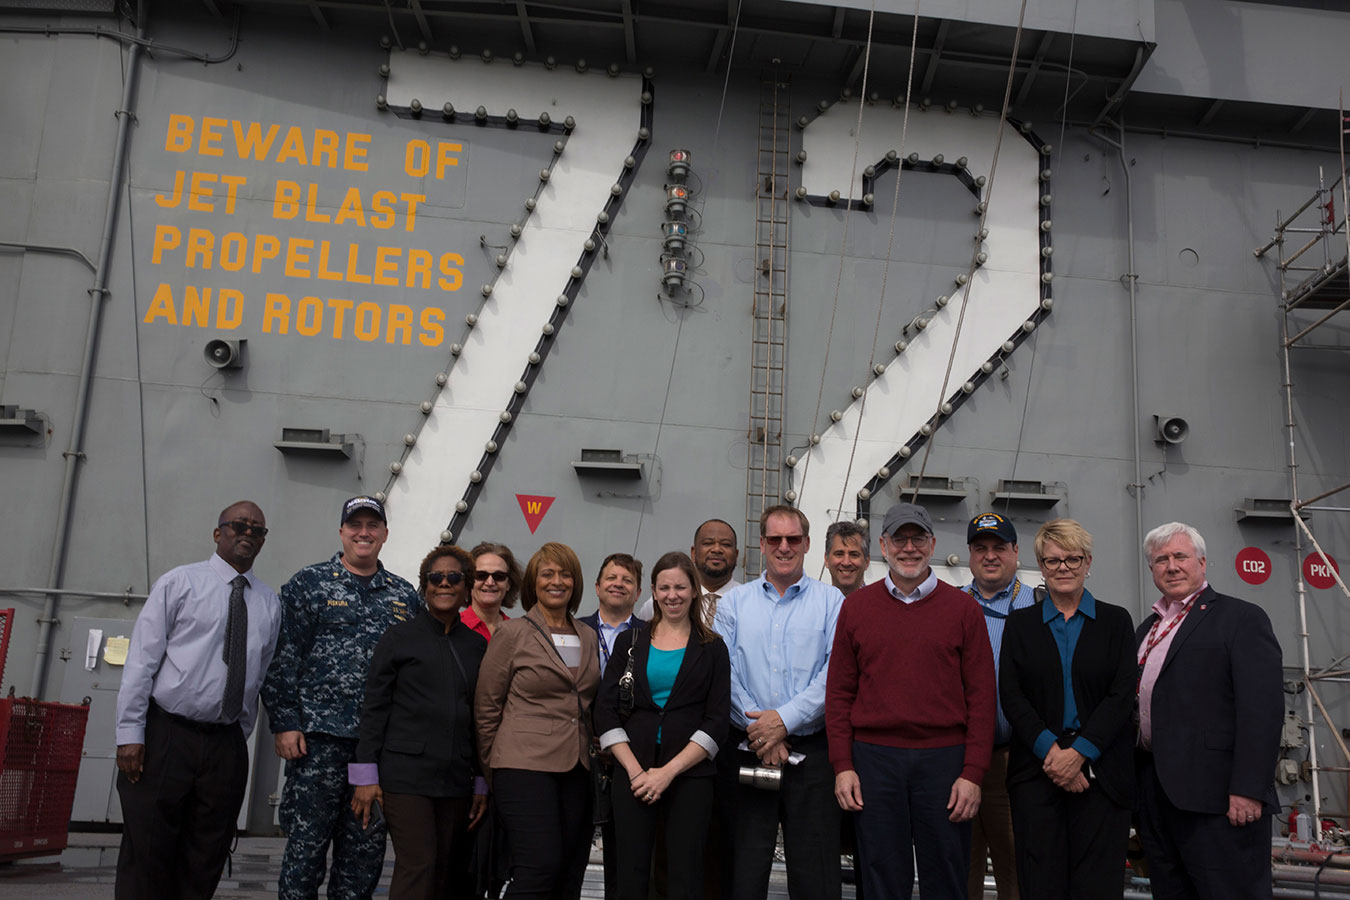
(417,720)
(699,701)
(1031,687)
(1218,705)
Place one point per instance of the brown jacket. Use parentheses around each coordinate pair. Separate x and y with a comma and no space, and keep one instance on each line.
(526,705)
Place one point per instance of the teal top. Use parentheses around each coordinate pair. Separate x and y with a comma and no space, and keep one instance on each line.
(662,667)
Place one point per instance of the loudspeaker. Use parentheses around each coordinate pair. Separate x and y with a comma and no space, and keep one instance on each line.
(1171,429)
(223,354)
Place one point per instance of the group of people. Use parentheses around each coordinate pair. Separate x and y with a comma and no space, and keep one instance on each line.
(922,722)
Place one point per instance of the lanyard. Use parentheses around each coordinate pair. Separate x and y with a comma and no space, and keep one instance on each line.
(989,610)
(605,648)
(1155,637)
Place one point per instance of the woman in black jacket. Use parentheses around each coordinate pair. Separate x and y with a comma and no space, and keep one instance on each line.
(1066,679)
(417,753)
(663,710)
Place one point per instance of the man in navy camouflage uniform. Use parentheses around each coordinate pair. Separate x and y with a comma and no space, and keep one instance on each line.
(332,615)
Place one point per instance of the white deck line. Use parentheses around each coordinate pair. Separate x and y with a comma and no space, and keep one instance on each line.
(495,355)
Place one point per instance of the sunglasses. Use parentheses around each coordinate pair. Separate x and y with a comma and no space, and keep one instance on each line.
(482,575)
(238,526)
(450,578)
(793,540)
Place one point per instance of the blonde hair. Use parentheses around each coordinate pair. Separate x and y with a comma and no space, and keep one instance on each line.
(1068,533)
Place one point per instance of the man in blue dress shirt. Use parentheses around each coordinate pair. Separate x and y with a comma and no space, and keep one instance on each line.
(188,700)
(780,629)
(992,541)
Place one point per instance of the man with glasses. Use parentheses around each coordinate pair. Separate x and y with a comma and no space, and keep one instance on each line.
(333,615)
(1211,709)
(910,715)
(992,541)
(779,629)
(188,701)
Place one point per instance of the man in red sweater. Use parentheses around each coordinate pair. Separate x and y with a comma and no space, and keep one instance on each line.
(909,711)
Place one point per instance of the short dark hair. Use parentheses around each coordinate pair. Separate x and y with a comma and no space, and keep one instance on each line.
(559,555)
(699,530)
(845,529)
(623,560)
(458,554)
(514,578)
(675,559)
(783,509)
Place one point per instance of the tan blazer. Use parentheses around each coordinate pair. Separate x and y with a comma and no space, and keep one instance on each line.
(525,706)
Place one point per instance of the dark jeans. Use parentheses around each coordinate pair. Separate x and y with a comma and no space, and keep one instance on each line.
(805,806)
(179,817)
(547,816)
(431,842)
(684,811)
(1069,846)
(1199,856)
(905,794)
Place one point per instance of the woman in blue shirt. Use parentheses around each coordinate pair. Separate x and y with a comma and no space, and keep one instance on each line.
(663,711)
(1067,676)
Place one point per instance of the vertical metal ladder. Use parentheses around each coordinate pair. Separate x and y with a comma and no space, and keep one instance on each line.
(768,351)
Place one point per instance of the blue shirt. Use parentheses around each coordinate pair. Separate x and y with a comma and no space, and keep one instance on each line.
(608,633)
(996,612)
(177,657)
(780,650)
(1066,634)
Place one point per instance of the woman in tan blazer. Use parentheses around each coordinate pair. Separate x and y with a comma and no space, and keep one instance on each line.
(533,710)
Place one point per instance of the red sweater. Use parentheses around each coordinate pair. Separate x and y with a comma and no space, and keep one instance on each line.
(911,675)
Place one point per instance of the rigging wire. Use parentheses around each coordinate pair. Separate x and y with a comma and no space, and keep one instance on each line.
(843,244)
(970,272)
(1059,157)
(886,266)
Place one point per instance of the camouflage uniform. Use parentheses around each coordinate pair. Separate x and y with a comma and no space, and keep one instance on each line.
(330,625)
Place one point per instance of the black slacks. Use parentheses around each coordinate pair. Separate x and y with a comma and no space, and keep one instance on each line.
(905,793)
(805,806)
(1199,856)
(1068,846)
(179,818)
(684,811)
(547,816)
(431,843)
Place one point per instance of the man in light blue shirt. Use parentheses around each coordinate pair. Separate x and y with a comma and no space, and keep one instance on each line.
(992,541)
(188,700)
(779,629)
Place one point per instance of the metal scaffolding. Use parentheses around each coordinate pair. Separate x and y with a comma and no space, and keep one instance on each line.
(1313,284)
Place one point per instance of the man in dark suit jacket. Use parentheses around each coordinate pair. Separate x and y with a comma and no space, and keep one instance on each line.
(1210,709)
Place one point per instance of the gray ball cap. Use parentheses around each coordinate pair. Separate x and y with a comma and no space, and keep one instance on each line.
(906,514)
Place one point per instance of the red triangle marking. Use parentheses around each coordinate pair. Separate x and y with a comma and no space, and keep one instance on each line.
(534,508)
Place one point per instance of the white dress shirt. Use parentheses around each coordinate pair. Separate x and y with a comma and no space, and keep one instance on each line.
(176,654)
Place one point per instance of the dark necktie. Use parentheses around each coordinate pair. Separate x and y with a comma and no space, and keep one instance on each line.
(236,651)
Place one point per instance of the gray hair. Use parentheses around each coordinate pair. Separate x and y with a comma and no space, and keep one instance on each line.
(1164,533)
(844,530)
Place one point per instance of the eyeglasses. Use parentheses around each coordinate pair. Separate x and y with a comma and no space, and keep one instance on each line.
(450,578)
(917,541)
(239,526)
(1072,563)
(482,575)
(793,540)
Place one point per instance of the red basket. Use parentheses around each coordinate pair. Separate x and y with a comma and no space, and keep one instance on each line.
(40,748)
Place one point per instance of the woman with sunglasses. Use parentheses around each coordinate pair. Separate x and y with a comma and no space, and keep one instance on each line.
(417,753)
(496,585)
(664,710)
(1067,679)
